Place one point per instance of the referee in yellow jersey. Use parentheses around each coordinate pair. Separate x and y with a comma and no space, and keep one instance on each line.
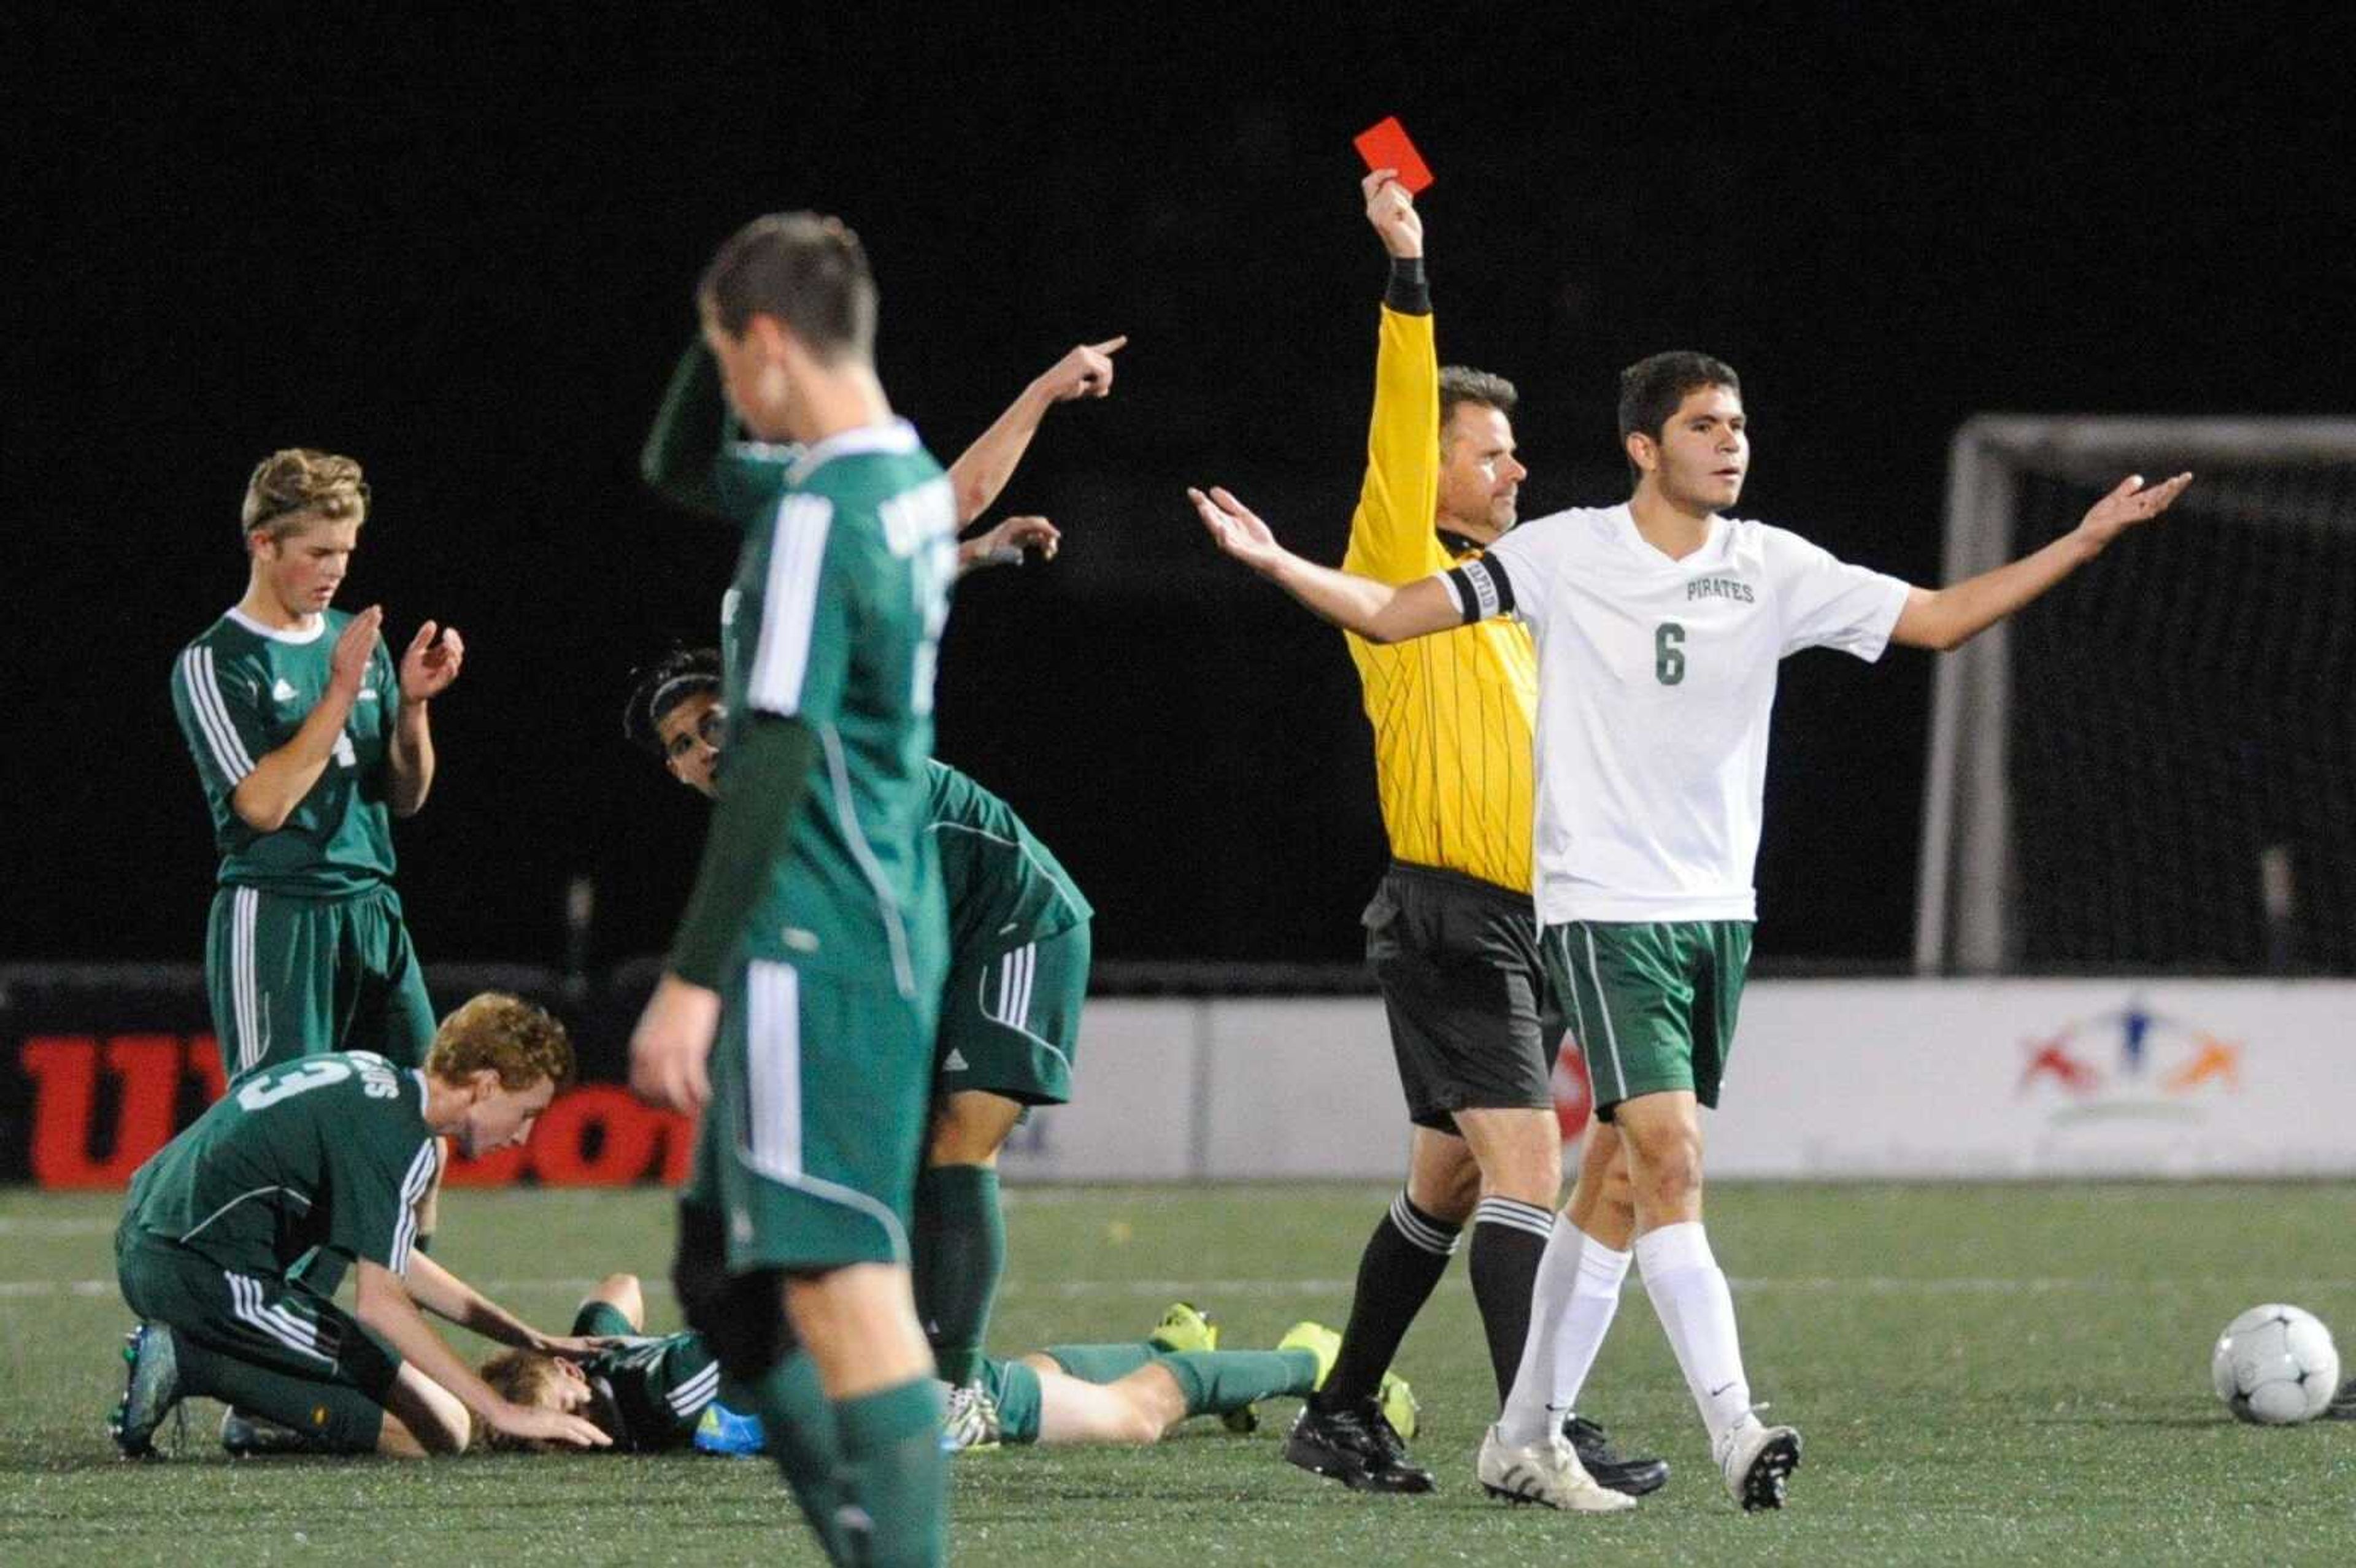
(1451,934)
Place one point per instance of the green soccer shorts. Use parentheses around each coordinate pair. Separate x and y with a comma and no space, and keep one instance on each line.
(262,1341)
(1653,1003)
(1010,1022)
(811,1144)
(290,976)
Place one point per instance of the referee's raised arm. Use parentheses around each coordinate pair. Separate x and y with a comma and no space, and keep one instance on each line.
(1391,532)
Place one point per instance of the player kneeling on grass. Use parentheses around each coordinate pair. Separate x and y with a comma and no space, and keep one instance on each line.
(301,1169)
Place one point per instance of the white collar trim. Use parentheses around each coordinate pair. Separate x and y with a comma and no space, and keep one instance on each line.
(279,634)
(896,439)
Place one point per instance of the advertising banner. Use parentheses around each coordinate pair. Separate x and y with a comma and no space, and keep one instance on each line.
(1829,1080)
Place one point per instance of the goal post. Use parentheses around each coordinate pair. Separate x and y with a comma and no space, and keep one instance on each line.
(2153,767)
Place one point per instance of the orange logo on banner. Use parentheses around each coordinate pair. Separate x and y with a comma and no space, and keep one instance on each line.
(594,1136)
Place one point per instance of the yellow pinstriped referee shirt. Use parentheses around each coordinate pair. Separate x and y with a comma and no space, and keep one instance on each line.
(1453,713)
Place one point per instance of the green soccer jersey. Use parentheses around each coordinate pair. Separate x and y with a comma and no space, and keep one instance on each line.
(241,691)
(655,1386)
(1004,889)
(834,620)
(330,1151)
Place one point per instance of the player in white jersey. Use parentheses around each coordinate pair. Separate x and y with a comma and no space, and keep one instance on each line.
(1659,625)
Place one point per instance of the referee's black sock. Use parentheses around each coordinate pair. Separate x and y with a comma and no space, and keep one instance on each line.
(1509,1238)
(1403,1260)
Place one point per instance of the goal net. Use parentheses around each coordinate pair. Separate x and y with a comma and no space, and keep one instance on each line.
(2154,766)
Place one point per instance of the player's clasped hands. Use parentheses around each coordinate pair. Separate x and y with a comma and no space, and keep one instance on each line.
(2131,503)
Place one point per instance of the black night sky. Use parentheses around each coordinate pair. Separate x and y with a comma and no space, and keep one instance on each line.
(463,254)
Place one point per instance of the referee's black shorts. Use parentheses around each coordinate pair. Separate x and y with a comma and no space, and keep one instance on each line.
(1473,1023)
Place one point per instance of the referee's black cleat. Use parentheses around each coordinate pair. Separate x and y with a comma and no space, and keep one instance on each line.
(1635,1477)
(151,1387)
(1354,1445)
(2343,1403)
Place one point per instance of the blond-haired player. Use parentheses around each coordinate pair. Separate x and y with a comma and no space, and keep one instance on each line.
(308,739)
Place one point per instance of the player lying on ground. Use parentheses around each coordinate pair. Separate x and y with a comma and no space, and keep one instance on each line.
(653,1393)
(334,1153)
(1019,927)
(1660,623)
(1452,934)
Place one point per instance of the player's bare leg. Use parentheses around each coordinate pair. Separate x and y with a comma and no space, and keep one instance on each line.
(1137,1409)
(1444,1179)
(1577,1296)
(1663,1135)
(625,1295)
(957,1246)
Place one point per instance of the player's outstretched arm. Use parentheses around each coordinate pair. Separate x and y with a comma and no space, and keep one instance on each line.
(983,469)
(1378,612)
(385,1305)
(267,795)
(428,668)
(444,1295)
(1945,618)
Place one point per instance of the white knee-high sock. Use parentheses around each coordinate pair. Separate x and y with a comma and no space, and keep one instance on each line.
(1689,1292)
(1578,1295)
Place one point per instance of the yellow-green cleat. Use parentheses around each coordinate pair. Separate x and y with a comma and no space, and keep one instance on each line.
(1399,1407)
(1186,1327)
(1319,1341)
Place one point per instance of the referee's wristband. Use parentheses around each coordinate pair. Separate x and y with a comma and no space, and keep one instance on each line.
(1410,292)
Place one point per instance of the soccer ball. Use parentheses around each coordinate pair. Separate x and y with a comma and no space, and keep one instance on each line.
(2275,1366)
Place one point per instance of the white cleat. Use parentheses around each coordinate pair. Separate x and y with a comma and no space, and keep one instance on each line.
(1756,1459)
(1547,1473)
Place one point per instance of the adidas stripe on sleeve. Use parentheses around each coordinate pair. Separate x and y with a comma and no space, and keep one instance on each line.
(792,606)
(217,719)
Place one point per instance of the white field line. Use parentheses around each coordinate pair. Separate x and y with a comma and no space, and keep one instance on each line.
(1070,1289)
(26,1225)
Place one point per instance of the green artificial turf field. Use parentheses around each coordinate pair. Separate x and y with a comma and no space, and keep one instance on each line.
(1983,1374)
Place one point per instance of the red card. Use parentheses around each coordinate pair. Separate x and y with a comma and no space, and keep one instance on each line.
(1385,146)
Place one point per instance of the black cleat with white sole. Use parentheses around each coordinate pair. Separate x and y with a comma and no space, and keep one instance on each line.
(1353,1445)
(1632,1477)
